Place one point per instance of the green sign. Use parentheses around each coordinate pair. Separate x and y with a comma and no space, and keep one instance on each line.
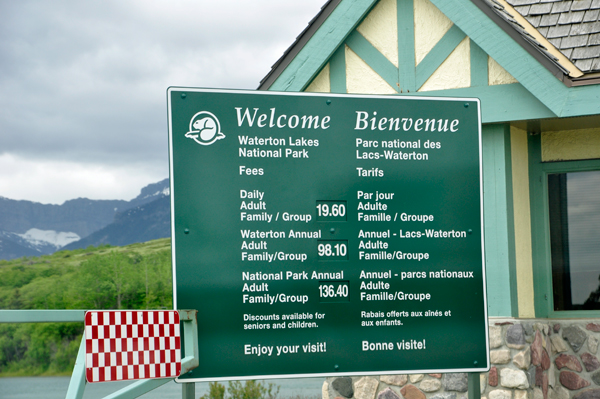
(323,234)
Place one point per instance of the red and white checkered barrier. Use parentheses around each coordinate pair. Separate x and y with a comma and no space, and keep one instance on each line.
(131,345)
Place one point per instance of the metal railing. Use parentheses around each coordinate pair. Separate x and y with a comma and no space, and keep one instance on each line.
(78,381)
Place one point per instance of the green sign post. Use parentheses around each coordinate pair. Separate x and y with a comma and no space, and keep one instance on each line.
(327,234)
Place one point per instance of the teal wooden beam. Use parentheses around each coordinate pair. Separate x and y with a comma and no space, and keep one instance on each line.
(438,54)
(511,56)
(499,221)
(582,100)
(539,228)
(501,103)
(41,316)
(373,58)
(337,71)
(479,65)
(321,46)
(406,46)
(78,381)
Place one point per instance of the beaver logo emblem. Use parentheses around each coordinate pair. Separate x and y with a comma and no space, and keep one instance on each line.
(204,128)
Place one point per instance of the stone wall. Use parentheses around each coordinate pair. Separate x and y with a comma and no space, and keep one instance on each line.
(530,359)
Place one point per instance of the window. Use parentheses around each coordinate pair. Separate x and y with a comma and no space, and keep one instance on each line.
(574,218)
(565,234)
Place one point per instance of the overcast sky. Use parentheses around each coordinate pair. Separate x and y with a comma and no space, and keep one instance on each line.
(83,84)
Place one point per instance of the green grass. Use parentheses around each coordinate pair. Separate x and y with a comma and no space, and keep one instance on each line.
(136,276)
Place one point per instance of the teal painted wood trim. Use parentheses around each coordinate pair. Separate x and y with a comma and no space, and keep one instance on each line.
(438,54)
(540,229)
(500,263)
(479,65)
(373,58)
(511,56)
(326,40)
(406,46)
(337,71)
(41,316)
(542,285)
(582,100)
(77,382)
(510,214)
(501,103)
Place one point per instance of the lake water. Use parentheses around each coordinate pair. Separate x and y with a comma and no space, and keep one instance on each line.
(56,388)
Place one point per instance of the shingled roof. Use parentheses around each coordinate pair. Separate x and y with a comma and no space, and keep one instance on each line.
(569,27)
(563,35)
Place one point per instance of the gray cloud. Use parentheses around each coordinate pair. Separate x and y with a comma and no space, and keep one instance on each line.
(85,82)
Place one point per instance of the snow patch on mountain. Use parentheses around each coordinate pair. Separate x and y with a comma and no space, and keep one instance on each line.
(38,238)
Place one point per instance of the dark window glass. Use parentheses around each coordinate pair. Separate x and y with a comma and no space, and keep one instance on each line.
(574,207)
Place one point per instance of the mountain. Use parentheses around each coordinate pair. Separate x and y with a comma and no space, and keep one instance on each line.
(140,224)
(11,249)
(29,228)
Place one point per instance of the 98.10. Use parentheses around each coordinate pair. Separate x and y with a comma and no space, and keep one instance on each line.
(332,249)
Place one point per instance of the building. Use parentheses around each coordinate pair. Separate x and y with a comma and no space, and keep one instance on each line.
(535,66)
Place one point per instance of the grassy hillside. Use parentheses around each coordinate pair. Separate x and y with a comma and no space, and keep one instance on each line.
(136,276)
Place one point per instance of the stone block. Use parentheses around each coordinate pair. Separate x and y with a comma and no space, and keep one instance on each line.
(556,328)
(365,388)
(539,376)
(531,375)
(398,380)
(500,356)
(595,327)
(575,336)
(537,393)
(493,376)
(444,395)
(558,344)
(551,376)
(343,386)
(412,392)
(545,360)
(544,328)
(388,394)
(510,378)
(496,340)
(500,394)
(325,390)
(558,393)
(593,393)
(435,375)
(528,327)
(590,362)
(415,377)
(430,385)
(521,394)
(572,381)
(523,359)
(536,349)
(482,382)
(456,382)
(592,344)
(596,377)
(515,336)
(568,361)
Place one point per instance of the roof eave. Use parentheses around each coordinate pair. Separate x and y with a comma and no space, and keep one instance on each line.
(554,69)
(282,63)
